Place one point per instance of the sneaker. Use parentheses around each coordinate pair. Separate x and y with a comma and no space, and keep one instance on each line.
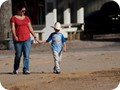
(54,71)
(58,72)
(15,72)
(26,72)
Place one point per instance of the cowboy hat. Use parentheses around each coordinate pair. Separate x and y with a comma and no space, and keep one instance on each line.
(57,26)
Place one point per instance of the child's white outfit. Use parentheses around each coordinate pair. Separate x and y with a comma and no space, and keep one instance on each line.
(57,47)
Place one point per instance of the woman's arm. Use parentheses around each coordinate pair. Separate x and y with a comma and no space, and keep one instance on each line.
(32,32)
(13,32)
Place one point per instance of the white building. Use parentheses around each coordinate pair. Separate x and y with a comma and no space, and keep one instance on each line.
(44,13)
(67,12)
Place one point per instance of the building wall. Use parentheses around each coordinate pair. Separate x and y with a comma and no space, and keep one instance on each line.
(76,15)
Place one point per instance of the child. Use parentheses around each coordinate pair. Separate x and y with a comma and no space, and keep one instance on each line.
(58,44)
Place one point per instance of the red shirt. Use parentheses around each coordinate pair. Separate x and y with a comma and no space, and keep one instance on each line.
(21,28)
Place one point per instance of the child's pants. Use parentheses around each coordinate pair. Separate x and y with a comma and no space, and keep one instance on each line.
(57,59)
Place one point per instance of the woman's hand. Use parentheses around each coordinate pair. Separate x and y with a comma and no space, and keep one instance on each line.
(16,38)
(37,40)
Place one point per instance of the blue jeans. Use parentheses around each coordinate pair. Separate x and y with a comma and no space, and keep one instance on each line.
(22,48)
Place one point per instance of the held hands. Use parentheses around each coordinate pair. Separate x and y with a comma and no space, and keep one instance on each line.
(37,40)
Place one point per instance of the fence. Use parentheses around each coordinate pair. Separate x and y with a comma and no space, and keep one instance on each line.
(74,35)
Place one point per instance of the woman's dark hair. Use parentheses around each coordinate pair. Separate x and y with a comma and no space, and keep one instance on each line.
(20,6)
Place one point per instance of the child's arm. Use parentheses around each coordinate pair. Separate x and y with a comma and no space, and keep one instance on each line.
(44,41)
(64,46)
(48,40)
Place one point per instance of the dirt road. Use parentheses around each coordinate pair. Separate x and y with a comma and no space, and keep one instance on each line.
(87,65)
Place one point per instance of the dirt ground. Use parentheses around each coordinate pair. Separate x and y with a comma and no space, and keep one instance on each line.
(87,65)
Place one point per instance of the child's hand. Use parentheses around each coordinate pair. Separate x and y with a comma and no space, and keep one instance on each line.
(64,49)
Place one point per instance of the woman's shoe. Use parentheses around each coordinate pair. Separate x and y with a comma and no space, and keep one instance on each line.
(26,72)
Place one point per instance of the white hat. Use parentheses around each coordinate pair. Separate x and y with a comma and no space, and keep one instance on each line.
(57,26)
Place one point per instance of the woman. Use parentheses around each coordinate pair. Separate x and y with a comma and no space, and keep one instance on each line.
(21,29)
